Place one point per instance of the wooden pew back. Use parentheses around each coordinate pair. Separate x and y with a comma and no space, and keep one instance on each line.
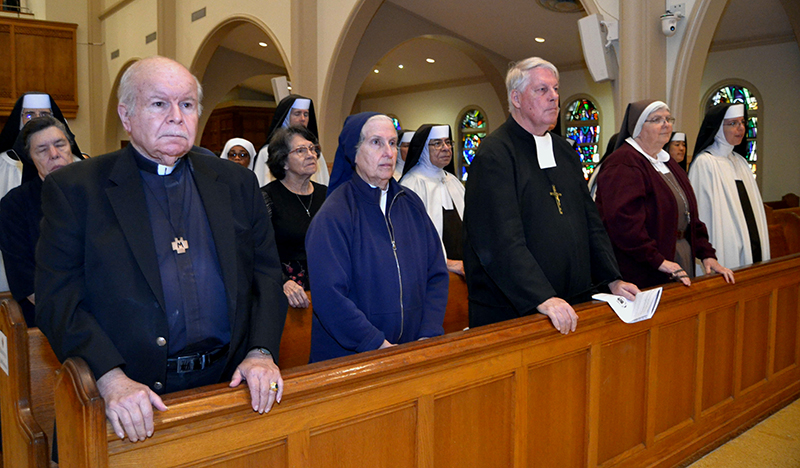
(789,220)
(713,360)
(26,391)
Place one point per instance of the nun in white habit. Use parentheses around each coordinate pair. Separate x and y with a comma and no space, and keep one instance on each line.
(430,156)
(728,199)
(292,110)
(240,151)
(402,153)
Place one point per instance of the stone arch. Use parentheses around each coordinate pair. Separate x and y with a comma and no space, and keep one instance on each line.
(356,53)
(112,122)
(203,61)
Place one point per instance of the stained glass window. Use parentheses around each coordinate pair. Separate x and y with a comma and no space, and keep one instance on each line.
(396,122)
(740,94)
(472,130)
(583,127)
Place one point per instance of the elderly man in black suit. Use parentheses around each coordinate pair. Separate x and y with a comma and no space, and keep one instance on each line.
(157,264)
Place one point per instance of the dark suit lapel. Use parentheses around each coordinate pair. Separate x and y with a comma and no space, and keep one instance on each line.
(216,198)
(128,202)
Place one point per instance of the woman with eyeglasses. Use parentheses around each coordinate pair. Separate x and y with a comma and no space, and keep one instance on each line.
(429,173)
(728,199)
(292,200)
(648,206)
(240,151)
(376,260)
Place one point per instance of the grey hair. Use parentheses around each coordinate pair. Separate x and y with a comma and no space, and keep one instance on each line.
(517,77)
(38,124)
(126,93)
(363,136)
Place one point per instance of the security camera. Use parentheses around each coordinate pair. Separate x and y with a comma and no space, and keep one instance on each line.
(669,23)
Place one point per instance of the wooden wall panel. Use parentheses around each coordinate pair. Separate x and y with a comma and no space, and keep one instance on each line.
(719,355)
(623,377)
(557,406)
(786,328)
(675,375)
(6,85)
(273,456)
(382,439)
(475,426)
(755,343)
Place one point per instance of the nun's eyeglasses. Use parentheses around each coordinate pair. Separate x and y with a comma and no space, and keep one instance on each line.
(302,151)
(238,155)
(437,144)
(661,120)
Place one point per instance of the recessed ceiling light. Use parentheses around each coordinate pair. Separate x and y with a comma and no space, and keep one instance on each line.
(289,88)
(430,60)
(400,66)
(539,39)
(376,71)
(262,44)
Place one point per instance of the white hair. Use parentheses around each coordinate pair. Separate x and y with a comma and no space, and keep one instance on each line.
(363,136)
(517,78)
(127,92)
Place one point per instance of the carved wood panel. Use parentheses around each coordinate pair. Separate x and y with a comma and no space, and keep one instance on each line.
(675,375)
(755,344)
(786,328)
(719,353)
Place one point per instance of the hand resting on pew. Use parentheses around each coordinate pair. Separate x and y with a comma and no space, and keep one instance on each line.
(259,370)
(129,405)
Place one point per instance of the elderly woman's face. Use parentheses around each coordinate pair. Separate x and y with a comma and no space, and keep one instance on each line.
(378,152)
(239,155)
(302,159)
(50,150)
(677,150)
(656,130)
(733,129)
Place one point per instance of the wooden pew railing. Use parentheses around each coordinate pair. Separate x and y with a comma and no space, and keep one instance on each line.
(26,391)
(715,359)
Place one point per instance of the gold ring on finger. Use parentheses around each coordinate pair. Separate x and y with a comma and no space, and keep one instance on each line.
(273,386)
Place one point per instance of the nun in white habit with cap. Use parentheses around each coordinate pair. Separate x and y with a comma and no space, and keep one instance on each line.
(727,194)
(292,110)
(430,156)
(402,153)
(240,151)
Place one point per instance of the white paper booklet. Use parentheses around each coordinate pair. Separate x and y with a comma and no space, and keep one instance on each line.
(642,308)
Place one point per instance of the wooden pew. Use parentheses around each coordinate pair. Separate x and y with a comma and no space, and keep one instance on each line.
(296,338)
(789,220)
(790,200)
(715,359)
(26,391)
(777,241)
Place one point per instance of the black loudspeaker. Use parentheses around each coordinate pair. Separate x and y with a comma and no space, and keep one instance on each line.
(600,59)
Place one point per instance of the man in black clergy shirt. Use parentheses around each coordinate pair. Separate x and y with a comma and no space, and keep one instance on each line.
(157,264)
(533,240)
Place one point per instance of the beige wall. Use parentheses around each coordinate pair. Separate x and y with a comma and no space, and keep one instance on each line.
(774,71)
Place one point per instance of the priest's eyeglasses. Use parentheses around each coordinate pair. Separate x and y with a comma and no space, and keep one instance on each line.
(734,124)
(437,144)
(661,120)
(302,151)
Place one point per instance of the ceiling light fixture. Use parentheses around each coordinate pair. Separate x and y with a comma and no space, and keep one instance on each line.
(262,44)
(400,66)
(430,60)
(376,71)
(538,39)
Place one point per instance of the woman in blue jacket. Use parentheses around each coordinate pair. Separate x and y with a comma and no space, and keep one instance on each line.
(379,273)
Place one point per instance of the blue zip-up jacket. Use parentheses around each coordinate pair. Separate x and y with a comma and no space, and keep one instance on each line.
(359,278)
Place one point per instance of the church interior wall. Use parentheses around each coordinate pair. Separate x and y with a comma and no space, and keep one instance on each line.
(332,18)
(439,106)
(773,70)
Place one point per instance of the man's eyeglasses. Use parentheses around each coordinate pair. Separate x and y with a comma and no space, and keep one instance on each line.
(735,123)
(302,151)
(241,155)
(661,120)
(34,114)
(437,144)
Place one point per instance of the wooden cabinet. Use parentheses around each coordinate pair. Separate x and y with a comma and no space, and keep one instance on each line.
(250,123)
(42,57)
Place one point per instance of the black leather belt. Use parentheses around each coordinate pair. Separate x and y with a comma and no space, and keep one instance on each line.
(196,361)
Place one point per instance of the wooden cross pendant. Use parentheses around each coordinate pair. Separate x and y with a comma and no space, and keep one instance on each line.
(557,196)
(180,245)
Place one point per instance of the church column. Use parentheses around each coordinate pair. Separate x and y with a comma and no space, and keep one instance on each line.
(643,53)
(96,59)
(304,50)
(167,38)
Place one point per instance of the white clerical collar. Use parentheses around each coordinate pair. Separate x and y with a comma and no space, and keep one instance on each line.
(661,158)
(165,170)
(544,151)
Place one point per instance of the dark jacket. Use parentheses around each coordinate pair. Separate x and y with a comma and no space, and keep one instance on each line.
(359,279)
(640,213)
(98,289)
